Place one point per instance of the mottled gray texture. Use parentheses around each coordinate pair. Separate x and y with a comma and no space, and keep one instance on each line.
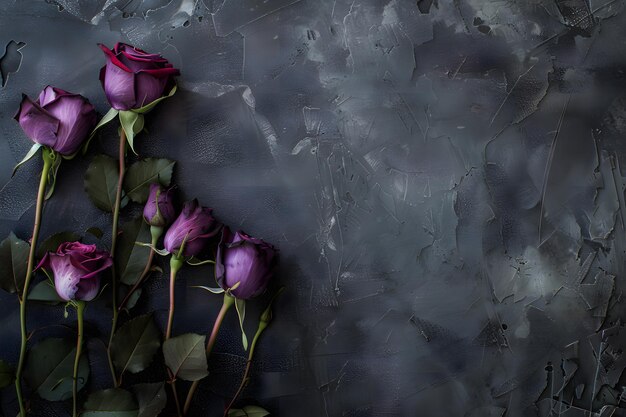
(443,179)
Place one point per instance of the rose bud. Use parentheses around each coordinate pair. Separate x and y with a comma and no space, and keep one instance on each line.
(76,268)
(133,78)
(244,260)
(194,226)
(159,209)
(58,119)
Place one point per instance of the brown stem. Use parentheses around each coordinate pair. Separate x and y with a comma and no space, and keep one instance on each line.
(226,305)
(116,217)
(142,277)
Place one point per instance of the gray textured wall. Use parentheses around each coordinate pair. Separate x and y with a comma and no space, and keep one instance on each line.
(444,180)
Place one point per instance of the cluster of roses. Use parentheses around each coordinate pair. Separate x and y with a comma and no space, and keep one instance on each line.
(59,123)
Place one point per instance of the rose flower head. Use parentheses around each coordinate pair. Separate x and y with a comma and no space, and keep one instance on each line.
(244,264)
(76,268)
(57,119)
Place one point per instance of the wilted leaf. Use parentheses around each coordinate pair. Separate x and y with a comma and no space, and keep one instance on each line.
(45,292)
(151,397)
(248,411)
(50,366)
(135,343)
(130,259)
(101,182)
(13,263)
(145,172)
(114,402)
(186,357)
(7,374)
(52,242)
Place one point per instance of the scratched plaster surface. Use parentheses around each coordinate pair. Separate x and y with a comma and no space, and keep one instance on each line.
(445,180)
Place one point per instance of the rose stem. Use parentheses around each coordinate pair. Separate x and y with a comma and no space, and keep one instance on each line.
(116,217)
(48,157)
(229,300)
(142,277)
(80,310)
(244,380)
(176,263)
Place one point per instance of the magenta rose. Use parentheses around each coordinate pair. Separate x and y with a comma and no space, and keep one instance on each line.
(133,78)
(245,260)
(195,226)
(76,268)
(58,119)
(159,209)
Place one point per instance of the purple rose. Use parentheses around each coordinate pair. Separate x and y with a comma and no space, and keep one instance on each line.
(76,268)
(133,78)
(245,260)
(58,119)
(195,226)
(159,209)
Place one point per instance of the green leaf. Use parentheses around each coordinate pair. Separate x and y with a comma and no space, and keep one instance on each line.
(151,397)
(132,123)
(45,292)
(13,263)
(101,182)
(134,344)
(240,305)
(52,174)
(32,152)
(50,366)
(134,297)
(106,119)
(114,402)
(248,411)
(130,259)
(185,355)
(95,232)
(150,106)
(7,375)
(145,172)
(52,242)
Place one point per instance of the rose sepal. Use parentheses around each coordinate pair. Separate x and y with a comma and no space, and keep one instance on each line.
(151,105)
(31,153)
(132,123)
(110,115)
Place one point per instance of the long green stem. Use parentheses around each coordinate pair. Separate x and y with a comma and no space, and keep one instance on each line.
(244,380)
(48,159)
(116,218)
(229,301)
(80,312)
(176,263)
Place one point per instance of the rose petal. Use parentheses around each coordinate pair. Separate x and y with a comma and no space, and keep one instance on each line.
(148,88)
(119,87)
(88,289)
(77,117)
(39,125)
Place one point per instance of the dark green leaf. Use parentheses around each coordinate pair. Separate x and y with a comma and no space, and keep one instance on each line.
(186,357)
(52,242)
(134,297)
(143,173)
(151,397)
(114,402)
(135,343)
(44,291)
(101,182)
(248,411)
(50,366)
(7,375)
(130,259)
(13,263)
(96,232)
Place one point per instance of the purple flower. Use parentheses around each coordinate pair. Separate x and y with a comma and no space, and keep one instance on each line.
(194,226)
(159,209)
(133,78)
(58,119)
(76,268)
(245,260)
